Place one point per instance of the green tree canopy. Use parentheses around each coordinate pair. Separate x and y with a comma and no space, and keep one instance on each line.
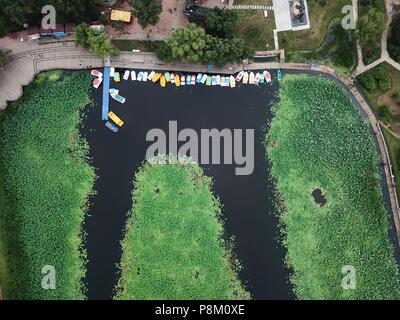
(95,41)
(193,45)
(221,23)
(147,11)
(370,27)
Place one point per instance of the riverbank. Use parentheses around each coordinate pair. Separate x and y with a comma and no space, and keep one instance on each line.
(173,247)
(328,139)
(46,185)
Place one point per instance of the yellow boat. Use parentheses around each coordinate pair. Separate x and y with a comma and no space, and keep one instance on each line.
(115,118)
(163,81)
(156,77)
(177,81)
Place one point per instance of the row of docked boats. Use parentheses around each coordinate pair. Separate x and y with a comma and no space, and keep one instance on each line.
(244,77)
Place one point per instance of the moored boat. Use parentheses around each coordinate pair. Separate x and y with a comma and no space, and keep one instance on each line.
(188,79)
(257,78)
(177,80)
(117,120)
(133,75)
(112,72)
(97,82)
(246,78)
(222,84)
(267,76)
(167,77)
(114,91)
(213,81)
(279,75)
(239,76)
(111,126)
(251,78)
(199,76)
(227,81)
(203,79)
(183,81)
(208,82)
(218,79)
(163,82)
(126,74)
(172,77)
(96,73)
(140,76)
(156,77)
(145,76)
(193,81)
(233,81)
(117,77)
(118,98)
(151,75)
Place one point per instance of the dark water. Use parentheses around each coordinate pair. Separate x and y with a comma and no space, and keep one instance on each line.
(247,200)
(319,197)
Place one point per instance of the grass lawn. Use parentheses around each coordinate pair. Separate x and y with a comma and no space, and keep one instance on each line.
(255,30)
(320,18)
(173,247)
(44,185)
(318,140)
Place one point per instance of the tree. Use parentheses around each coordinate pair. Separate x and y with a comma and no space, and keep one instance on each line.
(96,41)
(370,27)
(193,45)
(221,23)
(147,11)
(2,57)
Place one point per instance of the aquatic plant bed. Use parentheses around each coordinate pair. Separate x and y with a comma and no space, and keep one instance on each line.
(318,139)
(45,181)
(173,247)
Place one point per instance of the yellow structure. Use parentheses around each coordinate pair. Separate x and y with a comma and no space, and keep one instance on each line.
(115,118)
(117,15)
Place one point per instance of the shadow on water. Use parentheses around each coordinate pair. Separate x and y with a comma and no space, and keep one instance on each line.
(247,200)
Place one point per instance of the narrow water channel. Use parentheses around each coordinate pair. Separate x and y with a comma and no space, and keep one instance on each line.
(247,200)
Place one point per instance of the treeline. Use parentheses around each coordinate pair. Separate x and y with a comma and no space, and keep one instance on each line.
(15,13)
(394,40)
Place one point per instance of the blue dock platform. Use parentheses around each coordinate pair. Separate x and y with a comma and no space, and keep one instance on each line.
(106,95)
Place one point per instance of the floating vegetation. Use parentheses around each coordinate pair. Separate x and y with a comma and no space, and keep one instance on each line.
(318,138)
(173,247)
(46,182)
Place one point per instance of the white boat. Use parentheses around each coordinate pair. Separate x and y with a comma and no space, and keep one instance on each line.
(199,76)
(112,72)
(133,75)
(172,77)
(257,78)
(203,79)
(114,91)
(251,78)
(246,78)
(151,75)
(239,76)
(126,75)
(233,81)
(97,82)
(145,76)
(118,98)
(267,76)
(222,81)
(140,76)
(96,73)
(227,81)
(183,81)
(218,79)
(193,82)
(213,80)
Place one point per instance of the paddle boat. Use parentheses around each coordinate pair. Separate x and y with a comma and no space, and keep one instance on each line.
(267,76)
(227,81)
(115,118)
(246,78)
(117,77)
(167,77)
(233,81)
(163,82)
(203,79)
(251,78)
(151,75)
(218,78)
(112,72)
(177,80)
(213,81)
(257,78)
(126,75)
(199,76)
(118,98)
(183,81)
(208,82)
(279,75)
(172,78)
(96,73)
(145,76)
(112,127)
(156,77)
(97,82)
(193,81)
(140,76)
(239,76)
(114,91)
(222,84)
(262,79)
(133,75)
